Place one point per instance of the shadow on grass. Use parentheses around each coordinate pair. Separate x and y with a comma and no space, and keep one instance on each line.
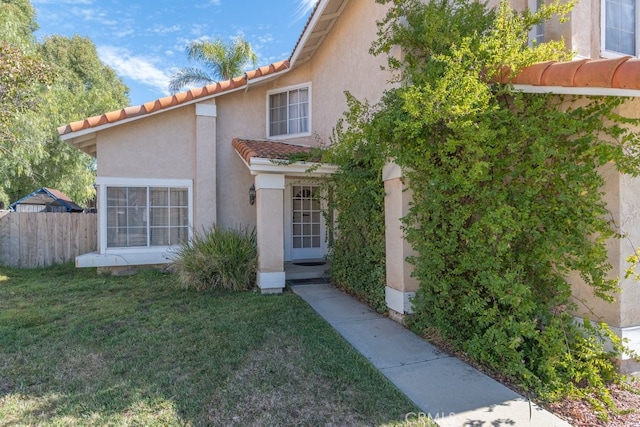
(78,348)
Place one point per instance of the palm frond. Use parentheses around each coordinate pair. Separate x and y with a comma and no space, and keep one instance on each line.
(187,77)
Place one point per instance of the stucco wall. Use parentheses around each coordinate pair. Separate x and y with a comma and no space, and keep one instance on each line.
(341,63)
(160,146)
(344,63)
(581,32)
(622,195)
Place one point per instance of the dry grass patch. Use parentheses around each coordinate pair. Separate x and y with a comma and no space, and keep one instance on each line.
(82,349)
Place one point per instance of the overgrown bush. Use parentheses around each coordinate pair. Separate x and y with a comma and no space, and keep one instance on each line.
(507,198)
(357,200)
(220,257)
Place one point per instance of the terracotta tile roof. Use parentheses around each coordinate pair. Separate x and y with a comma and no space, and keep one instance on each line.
(616,73)
(173,100)
(266,149)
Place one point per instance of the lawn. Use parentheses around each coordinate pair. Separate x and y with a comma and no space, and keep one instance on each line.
(77,348)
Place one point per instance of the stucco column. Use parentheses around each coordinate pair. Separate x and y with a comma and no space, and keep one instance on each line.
(400,285)
(205,173)
(628,326)
(270,232)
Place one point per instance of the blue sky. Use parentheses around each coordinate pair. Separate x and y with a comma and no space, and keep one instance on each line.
(144,40)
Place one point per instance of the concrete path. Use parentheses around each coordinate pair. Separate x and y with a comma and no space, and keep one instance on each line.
(443,387)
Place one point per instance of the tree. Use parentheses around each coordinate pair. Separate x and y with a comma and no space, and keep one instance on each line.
(22,78)
(221,60)
(17,22)
(42,86)
(83,87)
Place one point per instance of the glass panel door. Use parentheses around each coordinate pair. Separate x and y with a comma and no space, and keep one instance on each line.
(306,223)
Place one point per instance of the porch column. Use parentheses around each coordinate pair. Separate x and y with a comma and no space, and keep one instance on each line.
(270,232)
(204,191)
(400,285)
(622,194)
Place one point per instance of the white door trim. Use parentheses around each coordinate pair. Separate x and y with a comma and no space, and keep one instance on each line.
(289,253)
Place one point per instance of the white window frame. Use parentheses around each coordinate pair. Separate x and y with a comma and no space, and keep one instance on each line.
(313,253)
(603,33)
(537,30)
(103,182)
(288,135)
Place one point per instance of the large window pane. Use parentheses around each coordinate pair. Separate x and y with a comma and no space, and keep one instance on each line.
(147,216)
(126,216)
(289,112)
(620,26)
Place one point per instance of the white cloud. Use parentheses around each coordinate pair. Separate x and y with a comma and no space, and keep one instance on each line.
(304,7)
(198,30)
(138,68)
(124,33)
(93,15)
(208,4)
(163,29)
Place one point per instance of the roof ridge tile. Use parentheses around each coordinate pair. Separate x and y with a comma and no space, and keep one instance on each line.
(598,72)
(171,100)
(561,73)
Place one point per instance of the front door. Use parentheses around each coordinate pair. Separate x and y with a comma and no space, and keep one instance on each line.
(306,229)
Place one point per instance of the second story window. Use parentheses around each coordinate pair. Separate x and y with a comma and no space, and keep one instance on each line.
(289,111)
(536,35)
(619,27)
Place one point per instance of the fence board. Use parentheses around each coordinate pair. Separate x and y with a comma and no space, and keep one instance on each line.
(30,240)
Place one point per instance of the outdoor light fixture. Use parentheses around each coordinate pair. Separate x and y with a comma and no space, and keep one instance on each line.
(252,195)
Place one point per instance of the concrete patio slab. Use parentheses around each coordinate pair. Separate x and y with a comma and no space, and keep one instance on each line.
(446,389)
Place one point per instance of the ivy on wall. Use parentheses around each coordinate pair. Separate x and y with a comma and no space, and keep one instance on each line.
(357,198)
(507,198)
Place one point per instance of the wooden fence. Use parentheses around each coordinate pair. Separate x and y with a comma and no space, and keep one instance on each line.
(30,240)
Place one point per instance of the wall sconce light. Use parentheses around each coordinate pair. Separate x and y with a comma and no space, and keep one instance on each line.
(252,195)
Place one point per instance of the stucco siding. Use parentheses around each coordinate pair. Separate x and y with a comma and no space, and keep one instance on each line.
(344,63)
(160,146)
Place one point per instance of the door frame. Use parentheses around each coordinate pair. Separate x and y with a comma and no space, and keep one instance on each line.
(314,253)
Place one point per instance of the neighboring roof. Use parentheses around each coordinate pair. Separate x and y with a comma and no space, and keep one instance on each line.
(247,149)
(616,73)
(174,100)
(45,196)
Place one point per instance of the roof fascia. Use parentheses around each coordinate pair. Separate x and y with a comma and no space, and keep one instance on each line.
(72,135)
(307,32)
(259,165)
(585,91)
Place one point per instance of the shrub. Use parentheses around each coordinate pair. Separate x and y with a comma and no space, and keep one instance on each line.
(218,258)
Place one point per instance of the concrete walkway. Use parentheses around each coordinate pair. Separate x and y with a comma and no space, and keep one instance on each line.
(448,390)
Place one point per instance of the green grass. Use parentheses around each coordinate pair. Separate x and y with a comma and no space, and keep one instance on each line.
(81,349)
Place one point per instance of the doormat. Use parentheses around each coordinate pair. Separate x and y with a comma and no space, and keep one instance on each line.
(317,281)
(309,263)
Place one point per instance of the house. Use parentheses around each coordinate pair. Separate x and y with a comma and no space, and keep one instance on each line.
(45,200)
(187,161)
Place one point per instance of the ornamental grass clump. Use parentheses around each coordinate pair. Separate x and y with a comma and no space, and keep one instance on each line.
(218,258)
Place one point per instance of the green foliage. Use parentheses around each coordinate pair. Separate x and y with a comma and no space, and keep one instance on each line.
(23,77)
(357,197)
(17,22)
(44,85)
(78,348)
(221,60)
(507,194)
(218,258)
